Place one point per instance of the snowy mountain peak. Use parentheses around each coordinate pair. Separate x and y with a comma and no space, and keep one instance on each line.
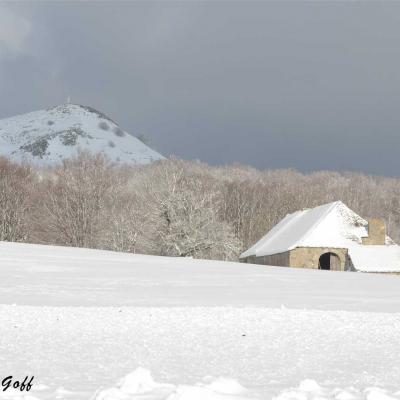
(46,137)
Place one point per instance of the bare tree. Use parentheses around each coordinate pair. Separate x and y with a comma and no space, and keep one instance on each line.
(75,199)
(14,201)
(127,218)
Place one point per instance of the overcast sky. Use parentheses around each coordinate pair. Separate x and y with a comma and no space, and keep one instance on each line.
(272,84)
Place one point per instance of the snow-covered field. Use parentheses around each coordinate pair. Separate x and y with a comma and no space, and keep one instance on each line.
(179,329)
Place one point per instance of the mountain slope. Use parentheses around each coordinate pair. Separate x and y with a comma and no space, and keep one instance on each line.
(46,137)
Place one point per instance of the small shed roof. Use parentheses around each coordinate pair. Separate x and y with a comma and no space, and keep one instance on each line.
(376,258)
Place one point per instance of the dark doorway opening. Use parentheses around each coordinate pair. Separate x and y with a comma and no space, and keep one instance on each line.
(329,261)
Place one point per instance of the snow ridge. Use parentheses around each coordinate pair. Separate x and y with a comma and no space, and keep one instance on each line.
(140,382)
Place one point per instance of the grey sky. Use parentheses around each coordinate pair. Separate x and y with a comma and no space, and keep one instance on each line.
(272,84)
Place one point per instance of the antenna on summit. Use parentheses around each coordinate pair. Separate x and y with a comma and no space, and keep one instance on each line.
(69,100)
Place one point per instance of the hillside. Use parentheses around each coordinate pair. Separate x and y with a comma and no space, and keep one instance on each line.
(107,278)
(46,137)
(81,319)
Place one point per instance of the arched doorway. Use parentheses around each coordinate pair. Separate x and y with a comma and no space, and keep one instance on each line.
(329,261)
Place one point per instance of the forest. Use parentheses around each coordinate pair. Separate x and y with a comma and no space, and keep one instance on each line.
(173,207)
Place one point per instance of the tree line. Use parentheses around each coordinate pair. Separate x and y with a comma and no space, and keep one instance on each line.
(173,207)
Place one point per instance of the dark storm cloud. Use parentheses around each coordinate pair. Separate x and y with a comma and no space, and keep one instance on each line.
(303,85)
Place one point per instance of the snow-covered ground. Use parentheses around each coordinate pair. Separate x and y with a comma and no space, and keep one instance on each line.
(80,320)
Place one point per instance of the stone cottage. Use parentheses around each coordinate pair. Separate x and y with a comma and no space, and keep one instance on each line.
(331,237)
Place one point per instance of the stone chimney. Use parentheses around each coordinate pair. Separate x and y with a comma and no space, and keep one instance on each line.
(376,232)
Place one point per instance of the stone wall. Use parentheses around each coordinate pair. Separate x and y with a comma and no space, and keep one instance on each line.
(302,257)
(279,260)
(308,257)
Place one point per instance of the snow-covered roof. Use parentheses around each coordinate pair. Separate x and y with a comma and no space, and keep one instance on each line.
(330,225)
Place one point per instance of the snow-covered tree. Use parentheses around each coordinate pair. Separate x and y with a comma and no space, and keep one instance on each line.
(185,215)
